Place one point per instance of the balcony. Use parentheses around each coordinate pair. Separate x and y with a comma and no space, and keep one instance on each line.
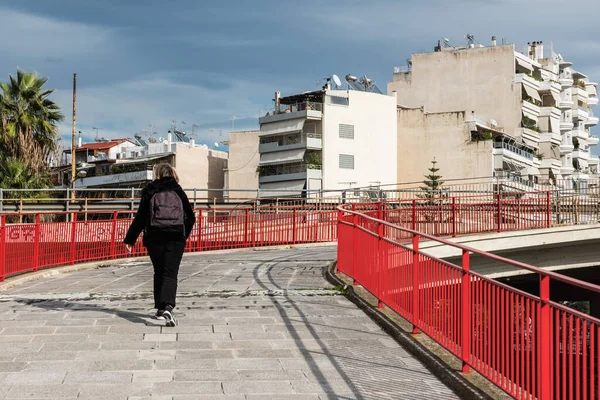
(289,172)
(565,103)
(592,100)
(592,120)
(527,80)
(511,151)
(115,179)
(579,94)
(566,124)
(592,140)
(568,170)
(565,79)
(579,132)
(580,114)
(306,110)
(530,110)
(550,137)
(566,148)
(290,142)
(582,154)
(551,163)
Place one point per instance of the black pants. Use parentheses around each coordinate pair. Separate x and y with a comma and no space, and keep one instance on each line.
(166,256)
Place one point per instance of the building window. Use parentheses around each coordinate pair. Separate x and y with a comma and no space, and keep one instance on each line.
(346,161)
(346,131)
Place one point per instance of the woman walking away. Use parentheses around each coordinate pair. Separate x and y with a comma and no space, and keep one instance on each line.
(166,217)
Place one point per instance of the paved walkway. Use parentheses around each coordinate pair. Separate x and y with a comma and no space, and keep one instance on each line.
(252,325)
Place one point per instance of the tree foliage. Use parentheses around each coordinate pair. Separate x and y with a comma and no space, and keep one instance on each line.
(433,183)
(28,124)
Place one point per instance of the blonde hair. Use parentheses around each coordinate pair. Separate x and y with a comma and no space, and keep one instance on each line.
(164,170)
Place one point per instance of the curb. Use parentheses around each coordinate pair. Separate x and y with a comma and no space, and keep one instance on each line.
(463,388)
(27,277)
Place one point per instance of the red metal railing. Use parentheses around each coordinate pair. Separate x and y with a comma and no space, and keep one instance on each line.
(37,244)
(527,344)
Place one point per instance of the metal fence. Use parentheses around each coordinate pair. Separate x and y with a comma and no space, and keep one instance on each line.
(528,345)
(29,242)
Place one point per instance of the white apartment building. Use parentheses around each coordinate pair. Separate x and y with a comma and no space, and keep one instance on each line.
(122,163)
(328,139)
(495,111)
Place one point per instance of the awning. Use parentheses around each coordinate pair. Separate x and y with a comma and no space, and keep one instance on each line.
(524,64)
(282,157)
(532,93)
(529,171)
(279,127)
(282,189)
(530,142)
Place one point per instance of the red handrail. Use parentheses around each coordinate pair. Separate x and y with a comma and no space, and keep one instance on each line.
(524,343)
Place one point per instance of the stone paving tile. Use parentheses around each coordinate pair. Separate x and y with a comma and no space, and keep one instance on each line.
(90,335)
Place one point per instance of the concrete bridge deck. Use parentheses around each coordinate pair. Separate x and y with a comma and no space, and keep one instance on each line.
(254,324)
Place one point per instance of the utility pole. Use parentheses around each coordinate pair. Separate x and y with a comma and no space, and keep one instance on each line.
(73,139)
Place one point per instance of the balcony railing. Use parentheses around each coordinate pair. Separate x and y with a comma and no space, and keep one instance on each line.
(308,105)
(513,149)
(284,169)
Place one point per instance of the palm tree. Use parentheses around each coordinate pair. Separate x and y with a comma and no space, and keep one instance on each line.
(17,174)
(29,120)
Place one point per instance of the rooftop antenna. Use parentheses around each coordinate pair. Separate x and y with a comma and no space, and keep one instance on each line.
(471,40)
(194,126)
(97,129)
(233,123)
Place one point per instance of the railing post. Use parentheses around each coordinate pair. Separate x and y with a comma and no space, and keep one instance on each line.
(466,310)
(199,245)
(380,264)
(548,210)
(1,201)
(545,349)
(499,212)
(294,227)
(415,273)
(453,216)
(340,218)
(113,236)
(354,245)
(246,226)
(414,215)
(73,236)
(2,247)
(36,243)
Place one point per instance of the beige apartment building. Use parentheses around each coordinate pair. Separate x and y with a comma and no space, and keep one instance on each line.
(241,176)
(521,114)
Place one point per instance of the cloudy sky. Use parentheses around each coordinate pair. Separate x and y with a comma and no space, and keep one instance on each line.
(143,63)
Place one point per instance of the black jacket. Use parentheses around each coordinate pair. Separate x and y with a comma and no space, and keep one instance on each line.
(140,222)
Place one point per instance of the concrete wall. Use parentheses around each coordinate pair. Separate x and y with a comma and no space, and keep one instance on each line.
(200,168)
(243,161)
(479,79)
(421,137)
(374,146)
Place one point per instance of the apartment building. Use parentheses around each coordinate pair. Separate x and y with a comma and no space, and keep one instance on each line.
(495,110)
(333,138)
(241,176)
(123,163)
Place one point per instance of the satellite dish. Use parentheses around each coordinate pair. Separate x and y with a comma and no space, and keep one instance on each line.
(493,122)
(336,80)
(216,144)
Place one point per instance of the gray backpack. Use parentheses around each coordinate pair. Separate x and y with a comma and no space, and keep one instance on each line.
(166,211)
